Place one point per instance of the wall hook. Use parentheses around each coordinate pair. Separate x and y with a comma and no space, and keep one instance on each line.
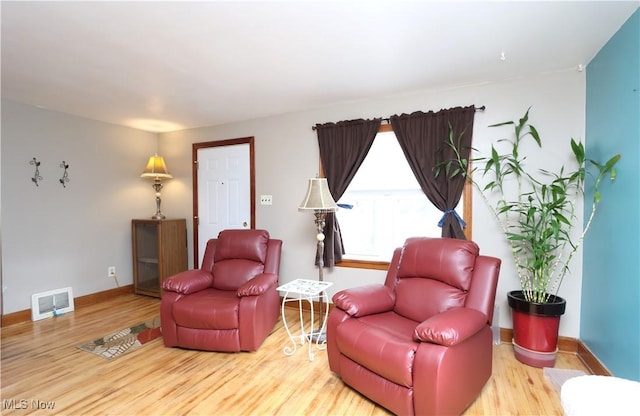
(36,176)
(65,175)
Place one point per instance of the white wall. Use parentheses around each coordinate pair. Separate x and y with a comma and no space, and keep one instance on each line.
(287,155)
(55,237)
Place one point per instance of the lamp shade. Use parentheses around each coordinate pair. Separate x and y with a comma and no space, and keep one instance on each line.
(156,169)
(318,197)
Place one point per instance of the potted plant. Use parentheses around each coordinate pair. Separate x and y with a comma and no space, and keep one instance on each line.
(536,210)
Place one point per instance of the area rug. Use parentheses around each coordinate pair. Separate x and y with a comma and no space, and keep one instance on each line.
(122,342)
(557,376)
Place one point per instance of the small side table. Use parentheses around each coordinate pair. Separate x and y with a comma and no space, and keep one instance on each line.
(299,290)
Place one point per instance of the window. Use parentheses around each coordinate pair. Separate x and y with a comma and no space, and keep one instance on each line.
(388,206)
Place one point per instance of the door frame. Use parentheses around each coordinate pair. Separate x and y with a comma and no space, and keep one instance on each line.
(252,183)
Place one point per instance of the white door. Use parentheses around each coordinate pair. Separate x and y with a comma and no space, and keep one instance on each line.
(223,191)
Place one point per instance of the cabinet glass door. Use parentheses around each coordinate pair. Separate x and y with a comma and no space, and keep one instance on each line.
(147,257)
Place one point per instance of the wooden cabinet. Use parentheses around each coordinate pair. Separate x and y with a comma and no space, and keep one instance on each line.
(159,251)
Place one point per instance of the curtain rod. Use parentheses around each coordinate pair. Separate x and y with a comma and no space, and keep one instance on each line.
(388,120)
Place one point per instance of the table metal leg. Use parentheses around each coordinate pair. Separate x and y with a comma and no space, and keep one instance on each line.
(321,342)
(309,336)
(288,350)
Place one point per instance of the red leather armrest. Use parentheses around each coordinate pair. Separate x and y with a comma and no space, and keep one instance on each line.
(365,300)
(189,281)
(258,285)
(450,327)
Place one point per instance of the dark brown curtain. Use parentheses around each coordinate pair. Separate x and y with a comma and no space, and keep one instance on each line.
(422,137)
(343,147)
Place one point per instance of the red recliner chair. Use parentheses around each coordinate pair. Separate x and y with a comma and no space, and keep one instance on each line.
(421,344)
(231,302)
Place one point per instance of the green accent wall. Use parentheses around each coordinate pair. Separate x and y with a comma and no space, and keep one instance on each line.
(610,308)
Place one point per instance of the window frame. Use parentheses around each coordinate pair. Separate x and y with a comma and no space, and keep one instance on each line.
(467,193)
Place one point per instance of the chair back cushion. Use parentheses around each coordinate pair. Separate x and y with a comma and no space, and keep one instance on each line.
(240,255)
(434,275)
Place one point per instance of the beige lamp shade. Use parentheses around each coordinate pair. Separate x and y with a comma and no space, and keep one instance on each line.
(156,169)
(318,197)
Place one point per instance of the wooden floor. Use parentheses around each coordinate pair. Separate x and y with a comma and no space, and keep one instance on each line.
(42,367)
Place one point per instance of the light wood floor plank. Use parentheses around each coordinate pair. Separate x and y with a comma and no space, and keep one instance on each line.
(40,362)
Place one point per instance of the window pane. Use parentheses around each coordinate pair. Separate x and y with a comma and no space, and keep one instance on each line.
(385,167)
(388,205)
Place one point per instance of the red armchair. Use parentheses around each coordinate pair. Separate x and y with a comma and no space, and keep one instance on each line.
(420,344)
(231,302)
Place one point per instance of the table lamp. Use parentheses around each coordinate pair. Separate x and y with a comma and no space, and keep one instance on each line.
(156,170)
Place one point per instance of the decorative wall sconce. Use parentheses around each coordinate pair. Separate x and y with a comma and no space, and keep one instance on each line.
(65,176)
(36,175)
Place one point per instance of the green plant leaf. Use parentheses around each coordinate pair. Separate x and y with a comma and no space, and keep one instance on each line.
(563,219)
(506,123)
(578,151)
(535,135)
(610,165)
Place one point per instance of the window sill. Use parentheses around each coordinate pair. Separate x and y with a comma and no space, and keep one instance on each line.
(362,264)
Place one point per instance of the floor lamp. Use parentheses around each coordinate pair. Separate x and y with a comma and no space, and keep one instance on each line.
(319,200)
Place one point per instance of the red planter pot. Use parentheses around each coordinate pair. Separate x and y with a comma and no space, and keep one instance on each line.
(535,329)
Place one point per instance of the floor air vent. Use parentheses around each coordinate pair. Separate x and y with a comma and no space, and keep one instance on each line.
(54,302)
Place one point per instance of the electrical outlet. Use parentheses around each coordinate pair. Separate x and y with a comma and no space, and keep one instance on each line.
(111,271)
(266,200)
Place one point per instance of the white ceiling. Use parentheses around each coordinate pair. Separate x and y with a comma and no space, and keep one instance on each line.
(162,66)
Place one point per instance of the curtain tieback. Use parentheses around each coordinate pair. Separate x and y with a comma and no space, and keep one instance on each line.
(455,214)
